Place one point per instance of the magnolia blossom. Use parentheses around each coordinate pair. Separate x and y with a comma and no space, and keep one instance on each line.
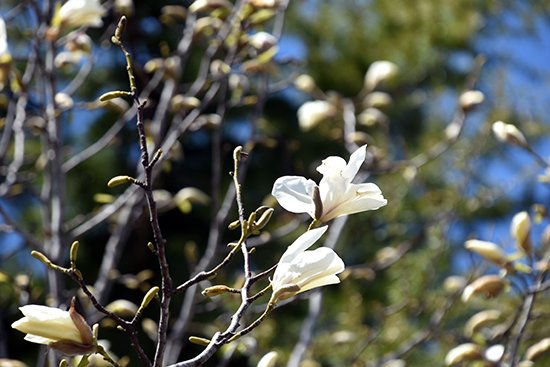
(378,72)
(300,269)
(335,195)
(312,113)
(520,228)
(489,250)
(77,13)
(508,133)
(65,331)
(4,51)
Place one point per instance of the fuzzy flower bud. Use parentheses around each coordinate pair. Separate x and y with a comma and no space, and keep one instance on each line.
(470,99)
(379,72)
(538,349)
(487,285)
(268,360)
(508,133)
(520,228)
(304,83)
(78,13)
(312,113)
(462,353)
(489,250)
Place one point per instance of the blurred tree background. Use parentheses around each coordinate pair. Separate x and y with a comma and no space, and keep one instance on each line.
(446,177)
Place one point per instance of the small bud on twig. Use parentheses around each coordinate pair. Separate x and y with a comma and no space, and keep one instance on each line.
(199,341)
(120,180)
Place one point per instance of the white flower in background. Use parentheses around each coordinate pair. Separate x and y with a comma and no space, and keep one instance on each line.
(268,360)
(463,352)
(312,113)
(300,269)
(494,353)
(124,7)
(262,41)
(489,250)
(65,331)
(378,72)
(78,13)
(335,195)
(508,133)
(305,83)
(520,228)
(5,55)
(470,98)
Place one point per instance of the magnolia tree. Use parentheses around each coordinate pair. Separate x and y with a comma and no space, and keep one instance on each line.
(254,260)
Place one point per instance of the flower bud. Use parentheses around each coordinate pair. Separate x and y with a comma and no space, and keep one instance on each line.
(508,133)
(311,114)
(487,285)
(520,228)
(372,117)
(462,353)
(488,250)
(124,7)
(77,13)
(122,307)
(494,353)
(215,290)
(378,72)
(454,283)
(305,83)
(63,100)
(268,360)
(479,320)
(120,180)
(470,99)
(264,3)
(207,5)
(181,102)
(538,349)
(199,341)
(152,293)
(377,100)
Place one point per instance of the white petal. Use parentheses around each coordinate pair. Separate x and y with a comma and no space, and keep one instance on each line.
(309,266)
(38,339)
(44,313)
(301,244)
(332,166)
(322,281)
(357,199)
(356,160)
(295,194)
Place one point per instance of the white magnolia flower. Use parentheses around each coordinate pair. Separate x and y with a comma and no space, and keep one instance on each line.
(268,360)
(312,113)
(489,250)
(300,269)
(335,195)
(65,331)
(3,41)
(508,133)
(520,228)
(378,72)
(77,13)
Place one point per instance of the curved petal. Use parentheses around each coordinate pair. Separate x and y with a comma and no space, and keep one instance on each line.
(332,166)
(356,160)
(38,339)
(295,194)
(361,197)
(310,265)
(325,280)
(301,244)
